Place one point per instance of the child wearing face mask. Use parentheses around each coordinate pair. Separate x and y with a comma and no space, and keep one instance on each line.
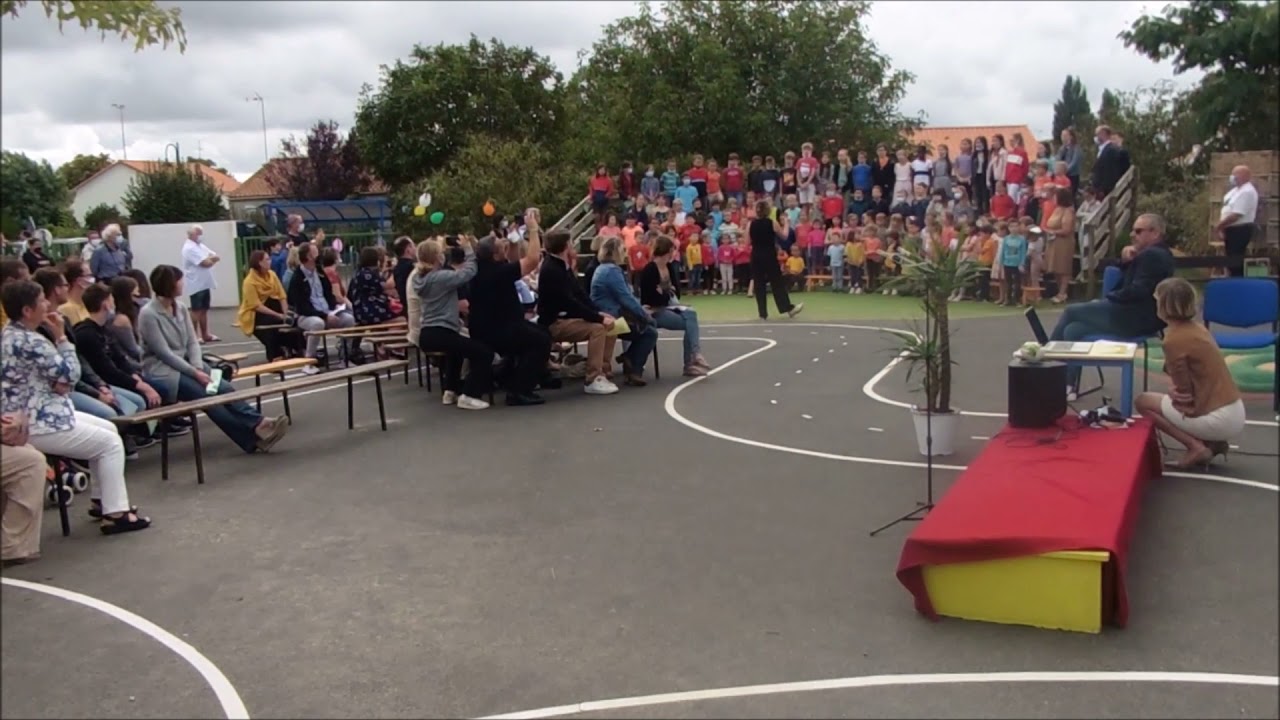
(670,181)
(650,186)
(686,193)
(626,185)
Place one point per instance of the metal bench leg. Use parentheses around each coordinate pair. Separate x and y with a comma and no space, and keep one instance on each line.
(195,440)
(59,488)
(657,369)
(382,408)
(351,412)
(257,383)
(285,395)
(417,354)
(406,370)
(324,341)
(1146,363)
(164,453)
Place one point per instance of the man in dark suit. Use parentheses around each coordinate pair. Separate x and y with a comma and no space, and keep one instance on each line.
(1112,162)
(1129,310)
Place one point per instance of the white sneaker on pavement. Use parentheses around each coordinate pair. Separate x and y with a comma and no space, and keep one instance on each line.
(310,369)
(601,386)
(466,402)
(449,398)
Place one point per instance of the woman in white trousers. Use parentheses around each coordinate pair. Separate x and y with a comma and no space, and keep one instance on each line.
(36,377)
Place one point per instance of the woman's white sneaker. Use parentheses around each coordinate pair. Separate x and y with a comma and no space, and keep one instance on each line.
(310,369)
(466,402)
(449,398)
(601,386)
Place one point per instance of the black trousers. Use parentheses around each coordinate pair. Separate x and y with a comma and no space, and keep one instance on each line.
(981,195)
(276,344)
(766,270)
(527,347)
(456,349)
(1236,238)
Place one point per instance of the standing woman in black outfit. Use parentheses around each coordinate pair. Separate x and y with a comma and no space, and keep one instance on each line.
(764,232)
(981,161)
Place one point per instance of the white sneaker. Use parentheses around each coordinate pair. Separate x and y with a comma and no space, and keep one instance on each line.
(450,398)
(310,369)
(466,402)
(795,310)
(601,386)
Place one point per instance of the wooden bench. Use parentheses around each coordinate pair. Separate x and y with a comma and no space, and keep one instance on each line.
(279,367)
(353,332)
(813,280)
(232,359)
(190,408)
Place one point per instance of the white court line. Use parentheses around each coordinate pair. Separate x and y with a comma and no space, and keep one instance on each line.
(870,681)
(232,706)
(669,405)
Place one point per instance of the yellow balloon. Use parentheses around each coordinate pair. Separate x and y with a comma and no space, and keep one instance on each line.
(419,211)
(489,209)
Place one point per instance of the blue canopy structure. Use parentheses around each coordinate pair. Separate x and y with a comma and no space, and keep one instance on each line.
(375,210)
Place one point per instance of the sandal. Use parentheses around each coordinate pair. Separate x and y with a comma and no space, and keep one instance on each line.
(95,508)
(123,523)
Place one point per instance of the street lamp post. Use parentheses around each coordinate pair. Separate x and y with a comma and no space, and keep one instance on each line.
(262,105)
(124,147)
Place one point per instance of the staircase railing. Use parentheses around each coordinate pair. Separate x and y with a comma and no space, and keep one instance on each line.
(1100,232)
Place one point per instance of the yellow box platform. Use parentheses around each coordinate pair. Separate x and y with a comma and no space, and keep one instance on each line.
(1058,590)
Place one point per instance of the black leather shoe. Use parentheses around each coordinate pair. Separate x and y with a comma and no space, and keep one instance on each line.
(551,383)
(521,399)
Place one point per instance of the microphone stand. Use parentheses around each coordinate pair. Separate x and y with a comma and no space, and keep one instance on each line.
(923,508)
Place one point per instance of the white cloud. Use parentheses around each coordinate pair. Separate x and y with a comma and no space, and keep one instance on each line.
(975,63)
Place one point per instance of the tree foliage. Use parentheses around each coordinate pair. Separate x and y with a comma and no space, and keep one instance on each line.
(1072,109)
(102,214)
(324,166)
(1108,107)
(417,119)
(752,76)
(207,163)
(142,20)
(32,190)
(483,171)
(173,194)
(1237,44)
(81,168)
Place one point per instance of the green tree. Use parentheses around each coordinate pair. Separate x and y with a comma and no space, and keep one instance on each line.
(416,121)
(32,190)
(481,172)
(101,215)
(1237,44)
(752,76)
(207,163)
(1072,110)
(81,168)
(143,20)
(324,166)
(1108,108)
(173,194)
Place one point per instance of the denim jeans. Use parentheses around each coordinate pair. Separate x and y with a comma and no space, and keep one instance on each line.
(1080,321)
(238,419)
(686,320)
(640,346)
(695,277)
(129,401)
(837,277)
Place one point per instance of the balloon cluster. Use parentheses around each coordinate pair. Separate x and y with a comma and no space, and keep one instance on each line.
(437,217)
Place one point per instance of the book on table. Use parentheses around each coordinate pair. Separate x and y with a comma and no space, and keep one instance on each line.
(1068,347)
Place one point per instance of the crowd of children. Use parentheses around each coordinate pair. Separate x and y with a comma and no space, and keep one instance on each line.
(850,219)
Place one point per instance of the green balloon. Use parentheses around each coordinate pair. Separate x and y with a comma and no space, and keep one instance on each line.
(437,217)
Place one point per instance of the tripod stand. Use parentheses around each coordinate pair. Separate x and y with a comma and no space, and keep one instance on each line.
(923,508)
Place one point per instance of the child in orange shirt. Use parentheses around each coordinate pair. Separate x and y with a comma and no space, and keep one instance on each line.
(874,250)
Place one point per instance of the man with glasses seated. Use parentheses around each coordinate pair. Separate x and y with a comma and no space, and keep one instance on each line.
(1129,310)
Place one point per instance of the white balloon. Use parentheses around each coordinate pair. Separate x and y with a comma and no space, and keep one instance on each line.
(424,199)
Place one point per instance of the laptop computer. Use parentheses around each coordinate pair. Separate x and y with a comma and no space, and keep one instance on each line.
(1059,347)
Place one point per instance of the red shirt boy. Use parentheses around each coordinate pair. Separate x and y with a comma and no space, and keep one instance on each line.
(832,206)
(733,179)
(1002,205)
(639,256)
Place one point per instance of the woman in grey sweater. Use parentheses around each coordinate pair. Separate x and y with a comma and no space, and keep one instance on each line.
(437,288)
(171,354)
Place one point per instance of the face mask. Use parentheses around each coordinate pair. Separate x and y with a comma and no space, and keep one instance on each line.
(627,171)
(1231,180)
(98,241)
(503,224)
(302,226)
(686,181)
(648,173)
(957,195)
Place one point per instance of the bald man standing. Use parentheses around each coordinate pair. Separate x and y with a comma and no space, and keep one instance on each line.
(1239,212)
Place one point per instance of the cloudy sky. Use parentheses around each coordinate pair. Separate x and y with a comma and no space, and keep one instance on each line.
(975,64)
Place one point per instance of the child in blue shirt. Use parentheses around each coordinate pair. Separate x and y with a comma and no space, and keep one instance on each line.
(650,186)
(835,258)
(1011,255)
(859,205)
(686,193)
(862,174)
(670,181)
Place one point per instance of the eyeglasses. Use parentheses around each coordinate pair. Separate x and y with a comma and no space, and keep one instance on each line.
(1140,230)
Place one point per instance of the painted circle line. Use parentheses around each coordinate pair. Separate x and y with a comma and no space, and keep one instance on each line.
(870,681)
(232,706)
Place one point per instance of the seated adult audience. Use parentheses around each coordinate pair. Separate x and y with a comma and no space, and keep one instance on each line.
(172,356)
(144,286)
(264,309)
(97,346)
(11,269)
(657,291)
(610,293)
(36,376)
(91,393)
(311,297)
(370,303)
(22,481)
(406,253)
(329,264)
(566,311)
(1130,309)
(78,278)
(109,260)
(496,315)
(436,286)
(34,257)
(124,323)
(1204,410)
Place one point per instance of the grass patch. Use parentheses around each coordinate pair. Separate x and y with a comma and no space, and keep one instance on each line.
(826,306)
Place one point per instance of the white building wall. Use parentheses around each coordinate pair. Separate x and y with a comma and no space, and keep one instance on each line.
(109,188)
(154,245)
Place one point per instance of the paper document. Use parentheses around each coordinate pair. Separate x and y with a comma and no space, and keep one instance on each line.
(1067,347)
(620,327)
(1109,348)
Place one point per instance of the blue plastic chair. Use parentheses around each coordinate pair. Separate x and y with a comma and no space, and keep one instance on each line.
(1243,303)
(1112,276)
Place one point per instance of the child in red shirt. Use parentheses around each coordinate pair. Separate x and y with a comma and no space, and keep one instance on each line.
(638,258)
(1002,206)
(714,194)
(742,261)
(1016,167)
(832,204)
(698,178)
(734,179)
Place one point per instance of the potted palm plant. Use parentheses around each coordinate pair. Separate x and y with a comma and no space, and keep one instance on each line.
(933,276)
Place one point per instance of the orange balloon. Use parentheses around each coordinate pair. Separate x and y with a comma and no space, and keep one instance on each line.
(488,208)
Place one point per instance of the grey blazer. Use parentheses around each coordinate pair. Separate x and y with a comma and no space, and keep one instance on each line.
(169,345)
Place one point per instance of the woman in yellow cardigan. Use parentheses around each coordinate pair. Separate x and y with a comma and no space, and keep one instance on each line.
(264,308)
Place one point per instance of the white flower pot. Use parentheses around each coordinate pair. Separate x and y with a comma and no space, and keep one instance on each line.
(943,428)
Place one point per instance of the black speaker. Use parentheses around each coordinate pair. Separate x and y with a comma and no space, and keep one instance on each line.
(1037,393)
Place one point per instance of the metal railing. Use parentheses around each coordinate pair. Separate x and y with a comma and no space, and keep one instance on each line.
(352,244)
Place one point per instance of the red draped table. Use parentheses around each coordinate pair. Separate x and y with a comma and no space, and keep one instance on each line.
(1032,492)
